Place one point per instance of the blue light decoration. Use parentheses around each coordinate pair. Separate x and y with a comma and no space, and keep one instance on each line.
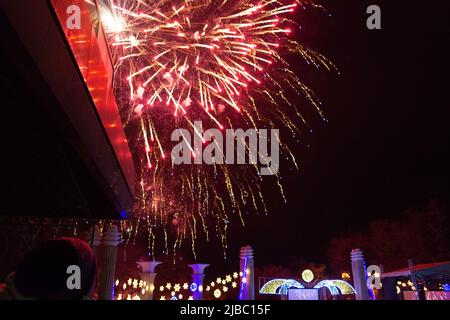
(329,285)
(336,287)
(280,286)
(371,291)
(193,287)
(244,275)
(123,214)
(174,298)
(290,284)
(447,287)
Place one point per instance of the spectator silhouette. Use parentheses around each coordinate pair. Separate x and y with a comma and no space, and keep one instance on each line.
(43,272)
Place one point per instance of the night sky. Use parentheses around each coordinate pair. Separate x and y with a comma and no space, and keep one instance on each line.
(385,147)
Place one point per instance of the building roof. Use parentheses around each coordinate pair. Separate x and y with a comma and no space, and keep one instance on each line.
(424,270)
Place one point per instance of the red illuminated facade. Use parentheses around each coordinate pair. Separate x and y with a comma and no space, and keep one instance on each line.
(68,77)
(91,52)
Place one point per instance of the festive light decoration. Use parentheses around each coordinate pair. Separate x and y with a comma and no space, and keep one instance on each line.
(280,286)
(176,289)
(345,276)
(307,275)
(193,287)
(243,275)
(217,293)
(334,290)
(336,287)
(219,61)
(173,290)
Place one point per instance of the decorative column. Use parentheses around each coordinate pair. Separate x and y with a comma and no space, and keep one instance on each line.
(197,285)
(247,267)
(111,240)
(359,275)
(148,275)
(93,238)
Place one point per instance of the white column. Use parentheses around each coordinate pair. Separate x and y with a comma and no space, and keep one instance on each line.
(148,275)
(111,240)
(247,267)
(197,278)
(93,238)
(359,275)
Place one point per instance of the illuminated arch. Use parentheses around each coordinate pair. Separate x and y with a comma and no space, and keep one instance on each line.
(280,286)
(336,287)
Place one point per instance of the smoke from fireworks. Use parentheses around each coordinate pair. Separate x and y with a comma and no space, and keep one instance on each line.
(219,61)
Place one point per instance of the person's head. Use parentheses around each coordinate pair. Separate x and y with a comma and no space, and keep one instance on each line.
(44,272)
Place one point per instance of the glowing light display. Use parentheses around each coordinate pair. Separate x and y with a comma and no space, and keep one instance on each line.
(280,286)
(176,290)
(307,275)
(336,287)
(193,287)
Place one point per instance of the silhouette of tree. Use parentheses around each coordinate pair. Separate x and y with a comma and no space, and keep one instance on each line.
(420,234)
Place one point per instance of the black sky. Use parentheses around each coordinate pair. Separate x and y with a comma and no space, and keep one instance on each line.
(386,145)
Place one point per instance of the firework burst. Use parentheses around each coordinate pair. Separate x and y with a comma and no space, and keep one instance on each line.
(178,61)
